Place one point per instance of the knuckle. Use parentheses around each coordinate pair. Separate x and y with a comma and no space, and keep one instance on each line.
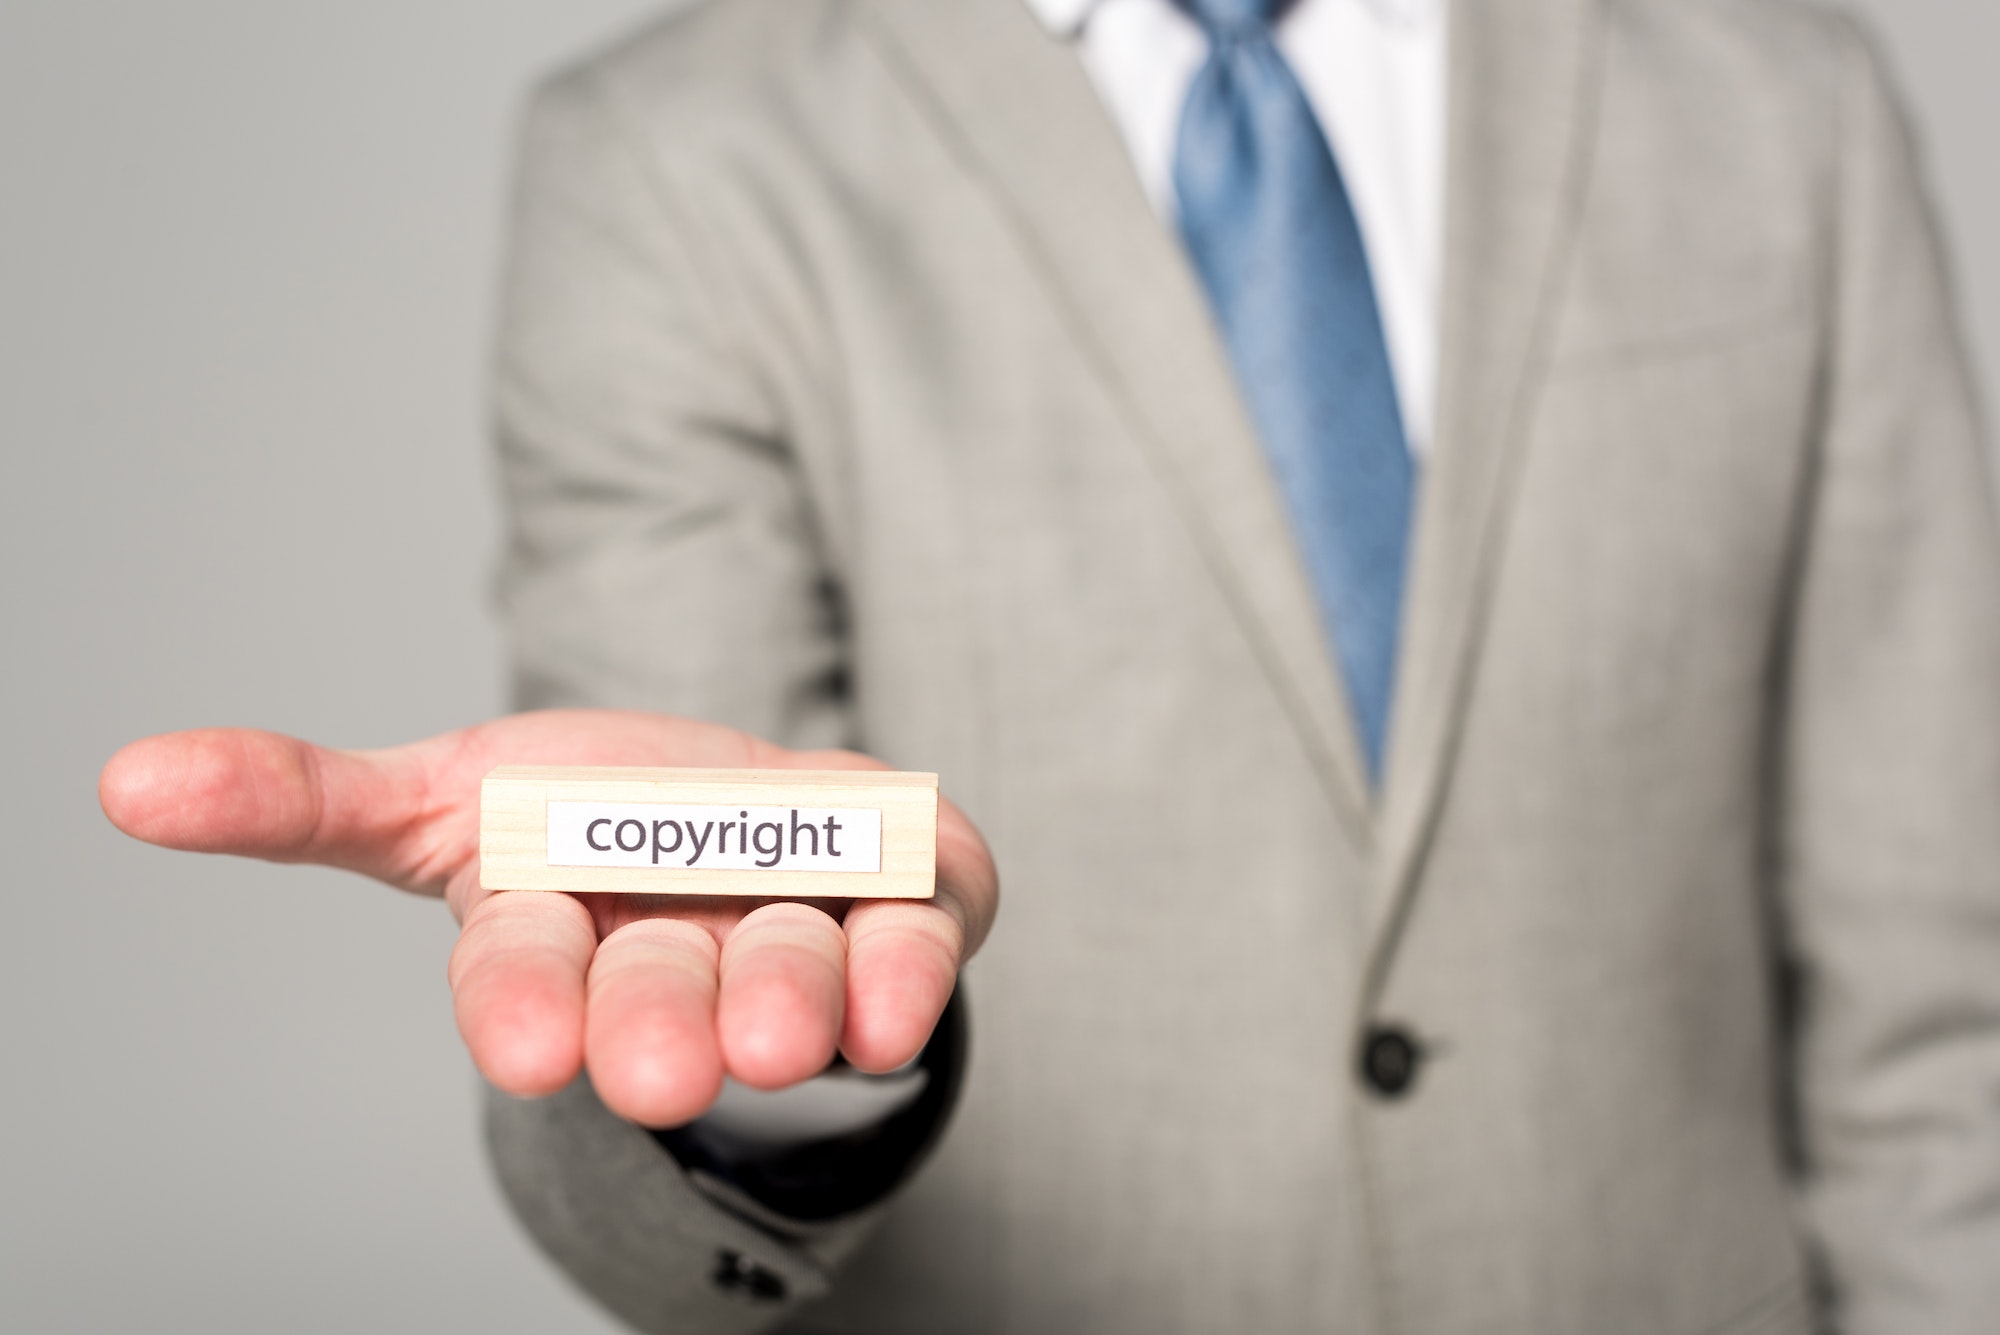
(654,942)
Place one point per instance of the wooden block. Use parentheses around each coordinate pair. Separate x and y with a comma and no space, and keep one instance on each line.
(848,834)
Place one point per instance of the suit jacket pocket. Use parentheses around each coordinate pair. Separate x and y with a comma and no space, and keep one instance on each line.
(1665,314)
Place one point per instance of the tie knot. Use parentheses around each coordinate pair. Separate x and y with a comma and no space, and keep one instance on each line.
(1233,20)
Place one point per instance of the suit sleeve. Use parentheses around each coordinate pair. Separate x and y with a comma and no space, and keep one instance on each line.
(1890,851)
(661,555)
(661,550)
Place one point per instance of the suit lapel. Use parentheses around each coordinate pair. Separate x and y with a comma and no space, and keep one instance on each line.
(1523,90)
(1523,81)
(1018,108)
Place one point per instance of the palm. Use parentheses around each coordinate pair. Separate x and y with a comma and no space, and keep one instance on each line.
(657,996)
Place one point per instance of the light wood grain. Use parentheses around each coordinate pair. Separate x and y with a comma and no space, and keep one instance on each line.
(514,829)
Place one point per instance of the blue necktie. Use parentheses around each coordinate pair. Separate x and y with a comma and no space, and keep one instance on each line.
(1269,226)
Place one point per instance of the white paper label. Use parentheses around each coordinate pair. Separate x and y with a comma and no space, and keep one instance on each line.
(653,834)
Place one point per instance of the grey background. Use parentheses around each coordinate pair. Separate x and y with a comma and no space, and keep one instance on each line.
(246,258)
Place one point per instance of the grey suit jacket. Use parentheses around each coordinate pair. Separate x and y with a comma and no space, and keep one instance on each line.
(850,392)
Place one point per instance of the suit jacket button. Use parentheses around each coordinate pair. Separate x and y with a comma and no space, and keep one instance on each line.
(737,1273)
(1389,1058)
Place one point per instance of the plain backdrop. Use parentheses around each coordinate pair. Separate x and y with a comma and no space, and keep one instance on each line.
(247,251)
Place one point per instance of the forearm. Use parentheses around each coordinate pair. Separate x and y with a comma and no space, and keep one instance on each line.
(679,1231)
(1891,780)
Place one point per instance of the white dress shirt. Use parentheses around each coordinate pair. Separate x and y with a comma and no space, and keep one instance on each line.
(1375,73)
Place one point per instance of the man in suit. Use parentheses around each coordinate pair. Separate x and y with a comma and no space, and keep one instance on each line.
(1457,577)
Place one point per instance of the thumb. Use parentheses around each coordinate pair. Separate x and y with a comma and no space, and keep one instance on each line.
(260,794)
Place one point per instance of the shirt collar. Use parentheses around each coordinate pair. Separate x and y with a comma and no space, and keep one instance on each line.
(1064,19)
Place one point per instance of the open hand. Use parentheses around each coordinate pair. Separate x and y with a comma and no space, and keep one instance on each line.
(658,996)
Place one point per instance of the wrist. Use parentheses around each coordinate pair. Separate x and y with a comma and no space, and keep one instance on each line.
(836,1144)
